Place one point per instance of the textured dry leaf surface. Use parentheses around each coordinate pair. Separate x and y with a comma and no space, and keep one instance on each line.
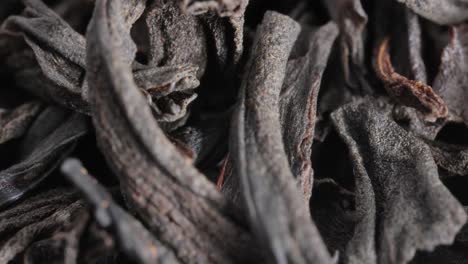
(234,131)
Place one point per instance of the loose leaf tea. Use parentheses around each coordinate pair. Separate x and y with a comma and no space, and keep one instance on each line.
(435,216)
(443,12)
(233,131)
(259,154)
(411,93)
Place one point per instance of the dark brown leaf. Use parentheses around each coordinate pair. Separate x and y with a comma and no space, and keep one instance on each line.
(402,203)
(223,7)
(14,122)
(439,11)
(351,19)
(298,104)
(52,136)
(133,237)
(161,185)
(276,210)
(408,92)
(451,82)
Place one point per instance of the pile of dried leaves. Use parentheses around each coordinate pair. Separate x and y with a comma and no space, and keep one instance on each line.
(222,131)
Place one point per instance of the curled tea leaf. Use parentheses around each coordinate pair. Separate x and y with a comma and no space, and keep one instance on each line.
(408,92)
(439,11)
(52,135)
(452,158)
(351,19)
(276,211)
(172,197)
(451,82)
(299,103)
(21,240)
(134,239)
(14,122)
(399,195)
(223,7)
(59,51)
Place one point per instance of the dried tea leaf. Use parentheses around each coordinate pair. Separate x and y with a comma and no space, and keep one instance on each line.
(33,210)
(415,46)
(415,122)
(408,92)
(65,242)
(162,187)
(59,51)
(298,104)
(134,239)
(44,199)
(455,254)
(210,177)
(50,138)
(178,38)
(399,195)
(14,122)
(333,93)
(452,158)
(276,211)
(222,7)
(409,45)
(23,238)
(169,91)
(451,82)
(440,11)
(174,37)
(351,19)
(170,79)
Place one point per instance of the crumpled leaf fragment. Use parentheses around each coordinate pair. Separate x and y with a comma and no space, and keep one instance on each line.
(25,237)
(408,92)
(174,37)
(60,52)
(440,11)
(49,139)
(351,19)
(416,122)
(454,254)
(298,103)
(177,38)
(403,205)
(169,91)
(172,198)
(273,202)
(451,83)
(452,158)
(57,50)
(63,246)
(222,7)
(14,122)
(409,58)
(33,209)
